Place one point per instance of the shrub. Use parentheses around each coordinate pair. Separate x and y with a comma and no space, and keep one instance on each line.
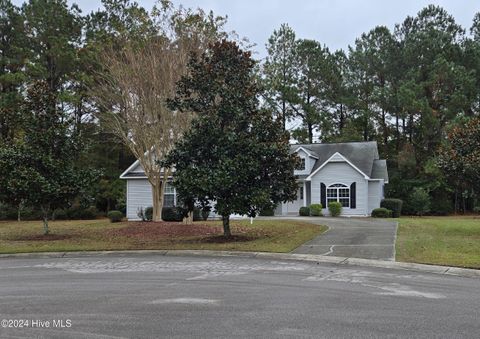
(420,201)
(115,216)
(382,213)
(81,213)
(267,212)
(316,210)
(441,206)
(394,205)
(304,211)
(122,207)
(476,209)
(205,213)
(172,214)
(148,213)
(197,214)
(60,214)
(335,208)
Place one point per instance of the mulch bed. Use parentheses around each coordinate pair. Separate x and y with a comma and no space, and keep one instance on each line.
(204,232)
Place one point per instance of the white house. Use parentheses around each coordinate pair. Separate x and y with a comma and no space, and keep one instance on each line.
(350,173)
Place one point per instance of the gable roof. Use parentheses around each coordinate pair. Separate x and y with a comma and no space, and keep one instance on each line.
(360,154)
(309,152)
(379,170)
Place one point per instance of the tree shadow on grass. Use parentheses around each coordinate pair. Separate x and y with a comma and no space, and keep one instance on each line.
(41,237)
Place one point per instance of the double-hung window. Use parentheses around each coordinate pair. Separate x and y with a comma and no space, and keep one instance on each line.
(169,195)
(339,193)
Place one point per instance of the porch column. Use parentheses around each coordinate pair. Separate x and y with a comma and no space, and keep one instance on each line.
(304,194)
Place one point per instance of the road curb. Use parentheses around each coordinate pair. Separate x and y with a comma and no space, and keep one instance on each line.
(446,270)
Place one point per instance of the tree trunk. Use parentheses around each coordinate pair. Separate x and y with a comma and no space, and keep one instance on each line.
(342,119)
(397,132)
(310,133)
(45,210)
(188,220)
(157,205)
(226,226)
(19,212)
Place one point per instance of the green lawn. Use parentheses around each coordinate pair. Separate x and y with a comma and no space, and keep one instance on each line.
(96,235)
(452,241)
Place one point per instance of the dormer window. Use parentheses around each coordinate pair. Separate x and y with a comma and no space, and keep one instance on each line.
(301,166)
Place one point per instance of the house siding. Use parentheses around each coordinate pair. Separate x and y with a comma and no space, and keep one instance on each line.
(375,194)
(341,172)
(139,195)
(294,206)
(309,163)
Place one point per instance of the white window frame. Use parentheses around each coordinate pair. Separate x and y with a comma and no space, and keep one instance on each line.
(337,187)
(172,193)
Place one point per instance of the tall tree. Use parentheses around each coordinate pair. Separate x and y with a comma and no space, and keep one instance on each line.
(279,72)
(134,101)
(308,97)
(235,154)
(12,63)
(459,158)
(41,169)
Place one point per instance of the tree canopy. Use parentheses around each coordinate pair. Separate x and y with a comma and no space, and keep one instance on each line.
(235,154)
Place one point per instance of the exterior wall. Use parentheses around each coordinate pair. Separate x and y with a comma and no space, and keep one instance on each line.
(375,194)
(309,163)
(343,173)
(139,195)
(293,207)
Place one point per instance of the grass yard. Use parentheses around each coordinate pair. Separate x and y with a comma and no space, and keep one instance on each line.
(97,235)
(452,241)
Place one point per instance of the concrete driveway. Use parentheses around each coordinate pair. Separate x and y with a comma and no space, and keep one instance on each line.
(353,237)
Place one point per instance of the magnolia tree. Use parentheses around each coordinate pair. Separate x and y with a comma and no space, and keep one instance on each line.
(136,83)
(40,169)
(235,153)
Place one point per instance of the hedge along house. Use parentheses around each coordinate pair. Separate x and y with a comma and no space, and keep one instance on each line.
(350,173)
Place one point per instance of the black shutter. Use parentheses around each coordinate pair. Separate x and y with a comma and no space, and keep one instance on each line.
(323,195)
(353,195)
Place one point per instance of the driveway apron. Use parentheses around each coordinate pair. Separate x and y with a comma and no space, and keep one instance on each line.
(353,237)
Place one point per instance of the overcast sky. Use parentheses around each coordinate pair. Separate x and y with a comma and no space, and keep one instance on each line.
(334,23)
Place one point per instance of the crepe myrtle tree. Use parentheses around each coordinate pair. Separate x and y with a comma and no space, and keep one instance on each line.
(235,154)
(40,168)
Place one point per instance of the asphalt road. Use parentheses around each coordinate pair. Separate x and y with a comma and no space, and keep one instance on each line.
(354,238)
(151,296)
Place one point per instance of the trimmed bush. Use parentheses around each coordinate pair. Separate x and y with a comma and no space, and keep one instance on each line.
(267,212)
(304,211)
(316,210)
(382,213)
(148,213)
(172,214)
(115,216)
(394,205)
(335,208)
